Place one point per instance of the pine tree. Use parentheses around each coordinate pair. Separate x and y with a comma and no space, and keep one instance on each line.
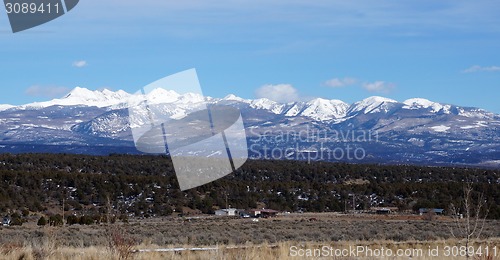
(42,221)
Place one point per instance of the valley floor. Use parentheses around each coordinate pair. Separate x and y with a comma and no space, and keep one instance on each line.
(293,236)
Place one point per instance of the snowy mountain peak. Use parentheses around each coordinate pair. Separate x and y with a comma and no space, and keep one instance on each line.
(160,95)
(263,103)
(98,98)
(191,98)
(319,109)
(267,104)
(107,92)
(418,103)
(318,101)
(232,97)
(378,99)
(79,92)
(5,107)
(323,109)
(84,97)
(373,104)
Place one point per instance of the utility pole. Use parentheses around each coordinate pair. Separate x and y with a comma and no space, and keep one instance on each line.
(353,203)
(226,200)
(108,210)
(63,211)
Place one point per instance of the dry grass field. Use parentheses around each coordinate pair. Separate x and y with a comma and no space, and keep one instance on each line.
(291,236)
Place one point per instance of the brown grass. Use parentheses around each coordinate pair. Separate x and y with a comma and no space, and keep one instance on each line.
(234,238)
(250,252)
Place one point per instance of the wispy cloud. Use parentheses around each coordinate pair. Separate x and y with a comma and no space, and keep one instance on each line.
(477,68)
(46,91)
(280,93)
(338,83)
(80,63)
(379,86)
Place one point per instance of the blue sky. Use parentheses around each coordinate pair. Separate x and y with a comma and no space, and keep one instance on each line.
(445,51)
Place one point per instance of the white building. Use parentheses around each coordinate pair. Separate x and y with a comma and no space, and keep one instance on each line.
(226,212)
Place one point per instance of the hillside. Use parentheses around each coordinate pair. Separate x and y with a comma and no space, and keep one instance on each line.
(146,186)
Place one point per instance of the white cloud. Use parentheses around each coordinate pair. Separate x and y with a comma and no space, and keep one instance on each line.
(46,91)
(338,83)
(379,86)
(80,63)
(477,68)
(280,93)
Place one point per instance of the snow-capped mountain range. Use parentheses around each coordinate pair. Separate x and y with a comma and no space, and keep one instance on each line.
(413,131)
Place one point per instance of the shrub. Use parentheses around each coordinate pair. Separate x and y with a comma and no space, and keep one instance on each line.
(42,221)
(124,218)
(56,220)
(429,215)
(16,221)
(72,220)
(86,220)
(120,242)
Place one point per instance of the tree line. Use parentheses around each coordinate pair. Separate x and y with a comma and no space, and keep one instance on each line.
(146,186)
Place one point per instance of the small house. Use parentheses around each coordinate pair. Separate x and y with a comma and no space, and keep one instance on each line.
(383,210)
(254,213)
(264,213)
(423,211)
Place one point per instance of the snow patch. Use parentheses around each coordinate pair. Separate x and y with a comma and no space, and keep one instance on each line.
(419,103)
(441,128)
(478,124)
